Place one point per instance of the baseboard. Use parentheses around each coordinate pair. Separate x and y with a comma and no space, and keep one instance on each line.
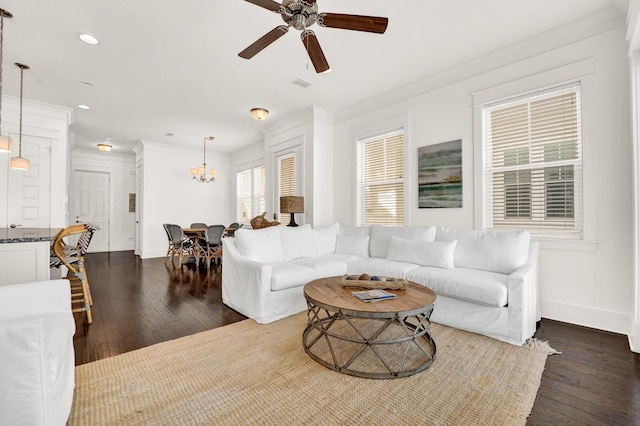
(616,322)
(148,254)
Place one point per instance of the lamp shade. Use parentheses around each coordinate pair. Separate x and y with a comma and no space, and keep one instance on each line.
(6,144)
(291,204)
(19,163)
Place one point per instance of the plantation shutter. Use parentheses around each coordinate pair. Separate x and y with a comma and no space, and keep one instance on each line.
(533,163)
(381,179)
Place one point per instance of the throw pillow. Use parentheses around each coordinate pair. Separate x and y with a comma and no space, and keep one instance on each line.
(297,242)
(325,238)
(260,245)
(358,246)
(437,254)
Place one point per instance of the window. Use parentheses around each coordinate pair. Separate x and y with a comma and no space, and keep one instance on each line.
(533,163)
(250,188)
(380,192)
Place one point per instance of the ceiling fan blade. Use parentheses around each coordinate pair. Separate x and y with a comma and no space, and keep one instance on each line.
(370,24)
(267,4)
(263,42)
(315,51)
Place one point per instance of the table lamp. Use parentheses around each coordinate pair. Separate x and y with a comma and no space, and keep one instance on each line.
(292,204)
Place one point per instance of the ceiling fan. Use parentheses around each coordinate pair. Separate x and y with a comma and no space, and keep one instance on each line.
(301,14)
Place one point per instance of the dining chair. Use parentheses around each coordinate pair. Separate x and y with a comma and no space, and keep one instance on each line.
(198,225)
(71,256)
(179,244)
(231,229)
(211,246)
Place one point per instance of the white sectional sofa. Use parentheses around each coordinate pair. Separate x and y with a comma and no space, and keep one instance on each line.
(36,355)
(486,282)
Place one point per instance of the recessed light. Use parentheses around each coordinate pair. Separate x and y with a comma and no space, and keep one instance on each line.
(88,38)
(83,106)
(85,83)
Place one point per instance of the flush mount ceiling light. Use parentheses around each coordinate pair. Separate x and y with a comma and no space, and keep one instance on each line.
(104,147)
(259,114)
(19,162)
(85,83)
(6,145)
(200,173)
(88,38)
(83,106)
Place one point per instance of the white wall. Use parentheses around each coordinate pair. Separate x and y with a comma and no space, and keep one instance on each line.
(587,282)
(169,194)
(121,169)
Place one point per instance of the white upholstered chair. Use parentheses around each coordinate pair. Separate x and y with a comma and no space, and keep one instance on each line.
(36,355)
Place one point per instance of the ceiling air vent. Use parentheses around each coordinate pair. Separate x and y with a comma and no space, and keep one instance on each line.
(302,83)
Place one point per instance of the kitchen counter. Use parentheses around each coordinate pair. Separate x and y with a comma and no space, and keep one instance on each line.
(26,235)
(24,254)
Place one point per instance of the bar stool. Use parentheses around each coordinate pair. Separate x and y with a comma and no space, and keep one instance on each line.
(72,257)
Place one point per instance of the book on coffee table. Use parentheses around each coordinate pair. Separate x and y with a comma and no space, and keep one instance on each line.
(373,295)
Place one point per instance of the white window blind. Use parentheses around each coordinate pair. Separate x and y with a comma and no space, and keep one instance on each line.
(533,163)
(380,192)
(250,193)
(287,177)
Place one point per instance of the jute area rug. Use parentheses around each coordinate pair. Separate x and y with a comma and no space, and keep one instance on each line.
(252,374)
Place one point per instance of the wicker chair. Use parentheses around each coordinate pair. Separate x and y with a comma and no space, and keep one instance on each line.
(179,244)
(210,248)
(71,256)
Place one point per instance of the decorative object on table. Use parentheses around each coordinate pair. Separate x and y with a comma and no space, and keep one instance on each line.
(19,162)
(259,114)
(200,173)
(301,14)
(374,282)
(6,145)
(261,221)
(440,175)
(292,204)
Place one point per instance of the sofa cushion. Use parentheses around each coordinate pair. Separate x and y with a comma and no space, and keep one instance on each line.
(483,287)
(297,242)
(503,251)
(382,267)
(325,238)
(354,245)
(439,254)
(328,265)
(381,236)
(260,245)
(289,274)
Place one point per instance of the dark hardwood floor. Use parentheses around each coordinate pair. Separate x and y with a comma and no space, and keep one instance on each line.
(137,303)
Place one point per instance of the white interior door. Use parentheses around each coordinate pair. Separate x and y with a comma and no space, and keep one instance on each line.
(91,205)
(139,195)
(29,191)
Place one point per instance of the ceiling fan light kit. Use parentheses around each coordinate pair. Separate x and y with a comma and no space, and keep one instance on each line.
(301,14)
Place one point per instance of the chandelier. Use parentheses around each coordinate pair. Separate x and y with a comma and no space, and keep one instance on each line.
(200,173)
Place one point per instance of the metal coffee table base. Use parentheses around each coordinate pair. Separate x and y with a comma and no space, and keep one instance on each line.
(374,345)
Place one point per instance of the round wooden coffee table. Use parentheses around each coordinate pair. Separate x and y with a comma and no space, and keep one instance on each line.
(377,340)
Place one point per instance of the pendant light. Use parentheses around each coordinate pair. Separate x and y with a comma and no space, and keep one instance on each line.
(6,144)
(19,162)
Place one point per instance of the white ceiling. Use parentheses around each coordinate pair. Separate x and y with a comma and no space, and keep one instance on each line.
(165,66)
